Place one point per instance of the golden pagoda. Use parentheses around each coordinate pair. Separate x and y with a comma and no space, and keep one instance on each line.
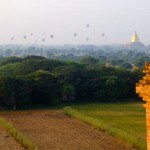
(135,38)
(135,43)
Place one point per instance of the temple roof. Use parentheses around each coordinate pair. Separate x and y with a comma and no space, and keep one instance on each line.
(135,38)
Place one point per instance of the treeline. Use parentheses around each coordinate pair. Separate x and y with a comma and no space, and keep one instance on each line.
(35,80)
(116,55)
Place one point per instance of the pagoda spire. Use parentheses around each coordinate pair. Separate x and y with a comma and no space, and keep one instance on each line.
(135,38)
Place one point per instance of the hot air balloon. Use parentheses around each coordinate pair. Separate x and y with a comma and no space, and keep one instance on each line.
(12,38)
(87,25)
(103,34)
(24,36)
(87,39)
(43,40)
(75,34)
(51,36)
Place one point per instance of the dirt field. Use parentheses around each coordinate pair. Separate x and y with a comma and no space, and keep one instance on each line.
(7,142)
(52,130)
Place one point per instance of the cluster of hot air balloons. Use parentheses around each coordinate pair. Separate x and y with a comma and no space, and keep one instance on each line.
(52,36)
(31,34)
(87,38)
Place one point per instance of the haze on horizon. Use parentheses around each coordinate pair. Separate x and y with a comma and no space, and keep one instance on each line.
(109,21)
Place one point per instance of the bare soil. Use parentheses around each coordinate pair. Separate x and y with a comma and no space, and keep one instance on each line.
(53,130)
(7,142)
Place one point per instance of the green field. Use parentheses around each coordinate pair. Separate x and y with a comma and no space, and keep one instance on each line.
(125,121)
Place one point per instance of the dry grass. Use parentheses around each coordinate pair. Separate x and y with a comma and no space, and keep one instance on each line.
(20,137)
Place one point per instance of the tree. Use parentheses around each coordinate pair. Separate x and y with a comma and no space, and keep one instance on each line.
(14,92)
(67,74)
(31,65)
(33,57)
(117,62)
(127,65)
(88,60)
(10,60)
(68,93)
(45,88)
(139,62)
(115,88)
(101,58)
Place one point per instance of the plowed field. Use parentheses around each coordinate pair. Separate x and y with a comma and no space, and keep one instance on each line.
(53,130)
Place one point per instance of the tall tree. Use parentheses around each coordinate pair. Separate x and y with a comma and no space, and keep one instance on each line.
(14,92)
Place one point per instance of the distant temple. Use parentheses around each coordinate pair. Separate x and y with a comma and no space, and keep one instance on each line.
(135,43)
(135,38)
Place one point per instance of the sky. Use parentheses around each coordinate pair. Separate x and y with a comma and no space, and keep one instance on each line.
(110,21)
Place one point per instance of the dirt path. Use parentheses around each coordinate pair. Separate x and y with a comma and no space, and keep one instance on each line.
(7,142)
(52,130)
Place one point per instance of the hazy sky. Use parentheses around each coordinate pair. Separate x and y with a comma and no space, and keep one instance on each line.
(62,18)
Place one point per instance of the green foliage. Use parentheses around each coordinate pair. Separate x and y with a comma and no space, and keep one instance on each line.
(115,88)
(68,93)
(140,62)
(10,60)
(67,74)
(8,69)
(2,58)
(14,92)
(126,65)
(102,59)
(68,89)
(89,60)
(27,66)
(44,87)
(117,62)
(33,57)
(124,121)
(32,65)
(35,80)
(74,64)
